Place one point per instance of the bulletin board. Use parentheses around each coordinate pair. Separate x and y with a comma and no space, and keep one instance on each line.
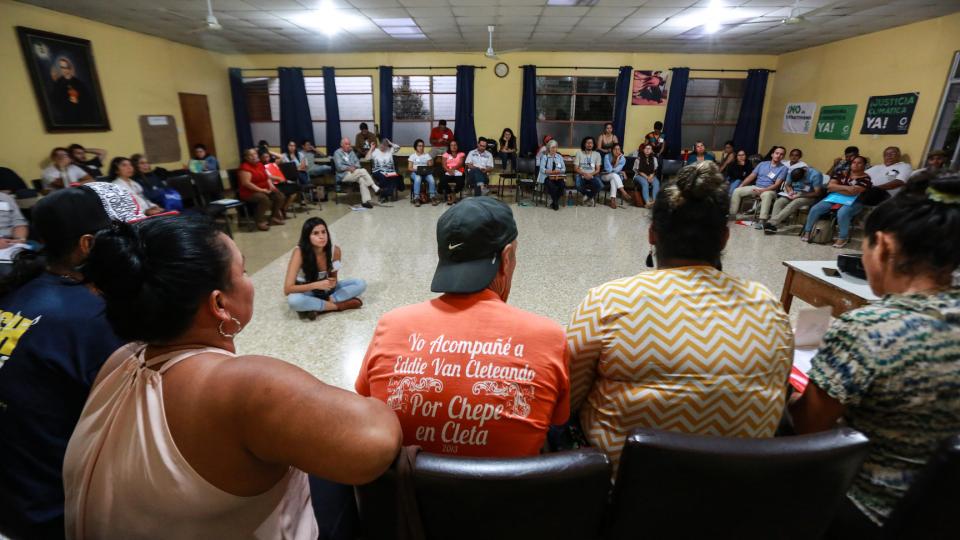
(161,142)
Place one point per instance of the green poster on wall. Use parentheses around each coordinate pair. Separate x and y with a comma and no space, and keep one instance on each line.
(835,122)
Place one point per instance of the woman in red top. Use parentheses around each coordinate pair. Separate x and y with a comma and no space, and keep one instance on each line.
(256,187)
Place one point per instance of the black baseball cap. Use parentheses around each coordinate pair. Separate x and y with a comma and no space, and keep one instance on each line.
(470,237)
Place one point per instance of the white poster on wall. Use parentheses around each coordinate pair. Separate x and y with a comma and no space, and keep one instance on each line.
(798,117)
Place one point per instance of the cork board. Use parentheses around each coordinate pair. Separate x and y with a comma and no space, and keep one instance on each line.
(161,142)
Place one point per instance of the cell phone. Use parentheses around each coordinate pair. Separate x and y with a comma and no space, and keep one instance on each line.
(832,272)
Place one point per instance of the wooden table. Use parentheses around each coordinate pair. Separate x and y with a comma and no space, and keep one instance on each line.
(807,281)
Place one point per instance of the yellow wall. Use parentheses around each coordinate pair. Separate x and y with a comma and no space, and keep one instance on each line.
(497,103)
(911,58)
(139,74)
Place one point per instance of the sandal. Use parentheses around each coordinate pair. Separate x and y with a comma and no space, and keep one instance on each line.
(805,237)
(840,244)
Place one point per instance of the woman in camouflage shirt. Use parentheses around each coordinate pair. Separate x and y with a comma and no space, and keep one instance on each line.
(891,369)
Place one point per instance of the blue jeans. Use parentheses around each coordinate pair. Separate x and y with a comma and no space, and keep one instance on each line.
(506,157)
(844,216)
(590,187)
(476,178)
(734,184)
(345,290)
(431,185)
(649,190)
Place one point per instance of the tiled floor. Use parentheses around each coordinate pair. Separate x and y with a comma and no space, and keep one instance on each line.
(560,255)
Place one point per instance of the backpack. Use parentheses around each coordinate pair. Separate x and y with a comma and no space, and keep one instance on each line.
(172,200)
(822,232)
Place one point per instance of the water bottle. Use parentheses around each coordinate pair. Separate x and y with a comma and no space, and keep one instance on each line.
(570,198)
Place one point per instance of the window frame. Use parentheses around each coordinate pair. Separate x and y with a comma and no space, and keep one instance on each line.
(573,122)
(258,119)
(952,78)
(431,118)
(717,121)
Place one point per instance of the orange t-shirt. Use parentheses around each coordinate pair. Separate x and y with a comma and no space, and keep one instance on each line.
(470,375)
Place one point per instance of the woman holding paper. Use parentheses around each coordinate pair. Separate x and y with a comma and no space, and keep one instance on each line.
(891,369)
(843,189)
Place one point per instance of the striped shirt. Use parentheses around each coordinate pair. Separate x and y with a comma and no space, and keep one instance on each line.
(686,349)
(895,366)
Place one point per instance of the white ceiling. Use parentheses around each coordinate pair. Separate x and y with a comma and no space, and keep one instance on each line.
(285,26)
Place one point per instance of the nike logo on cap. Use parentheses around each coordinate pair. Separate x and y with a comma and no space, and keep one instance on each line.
(452,247)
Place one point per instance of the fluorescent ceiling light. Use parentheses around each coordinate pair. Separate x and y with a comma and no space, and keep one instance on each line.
(405,21)
(409,36)
(713,17)
(398,30)
(330,20)
(571,2)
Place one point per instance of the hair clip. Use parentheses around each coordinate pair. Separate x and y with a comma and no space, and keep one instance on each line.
(939,196)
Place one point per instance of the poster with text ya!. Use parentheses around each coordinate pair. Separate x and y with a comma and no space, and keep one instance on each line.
(889,115)
(835,122)
(798,117)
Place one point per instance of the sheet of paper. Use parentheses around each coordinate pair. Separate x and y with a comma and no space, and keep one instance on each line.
(802,359)
(812,324)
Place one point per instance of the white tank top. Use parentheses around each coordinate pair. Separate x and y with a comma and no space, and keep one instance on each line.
(125,478)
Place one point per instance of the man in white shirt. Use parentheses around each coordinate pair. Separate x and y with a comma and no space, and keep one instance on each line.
(62,172)
(893,174)
(479,164)
(587,168)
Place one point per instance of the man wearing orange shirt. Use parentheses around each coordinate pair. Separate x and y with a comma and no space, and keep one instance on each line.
(466,373)
(440,138)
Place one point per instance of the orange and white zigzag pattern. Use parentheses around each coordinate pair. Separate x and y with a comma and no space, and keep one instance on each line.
(687,349)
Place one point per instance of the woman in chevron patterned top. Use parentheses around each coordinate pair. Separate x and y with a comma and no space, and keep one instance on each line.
(684,347)
(891,369)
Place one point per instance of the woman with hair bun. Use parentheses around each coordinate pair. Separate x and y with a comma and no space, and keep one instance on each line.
(678,314)
(891,369)
(183,438)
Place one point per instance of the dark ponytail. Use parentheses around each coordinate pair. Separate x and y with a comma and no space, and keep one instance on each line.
(925,219)
(155,274)
(690,215)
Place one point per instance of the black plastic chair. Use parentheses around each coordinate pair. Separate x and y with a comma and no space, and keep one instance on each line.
(670,168)
(560,495)
(526,176)
(678,485)
(929,508)
(210,187)
(184,185)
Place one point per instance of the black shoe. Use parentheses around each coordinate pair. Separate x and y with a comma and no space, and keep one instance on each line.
(555,206)
(769,228)
(366,205)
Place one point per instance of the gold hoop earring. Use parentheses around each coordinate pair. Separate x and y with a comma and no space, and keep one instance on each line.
(226,335)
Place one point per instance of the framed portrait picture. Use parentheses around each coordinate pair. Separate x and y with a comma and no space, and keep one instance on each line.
(64,80)
(649,87)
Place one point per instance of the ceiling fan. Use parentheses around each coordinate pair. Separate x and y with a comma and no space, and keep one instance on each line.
(795,17)
(211,23)
(490,53)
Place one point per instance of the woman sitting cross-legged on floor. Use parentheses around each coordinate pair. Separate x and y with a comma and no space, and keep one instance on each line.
(311,284)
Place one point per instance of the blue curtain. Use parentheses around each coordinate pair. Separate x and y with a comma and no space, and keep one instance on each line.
(295,120)
(529,140)
(241,118)
(747,133)
(333,110)
(674,116)
(386,102)
(620,103)
(465,133)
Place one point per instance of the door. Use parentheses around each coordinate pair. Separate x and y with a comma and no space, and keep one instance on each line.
(196,122)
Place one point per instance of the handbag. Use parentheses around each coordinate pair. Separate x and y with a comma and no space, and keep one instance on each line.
(822,232)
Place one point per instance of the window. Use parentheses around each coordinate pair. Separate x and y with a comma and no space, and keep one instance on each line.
(946,132)
(570,108)
(354,98)
(419,102)
(710,111)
